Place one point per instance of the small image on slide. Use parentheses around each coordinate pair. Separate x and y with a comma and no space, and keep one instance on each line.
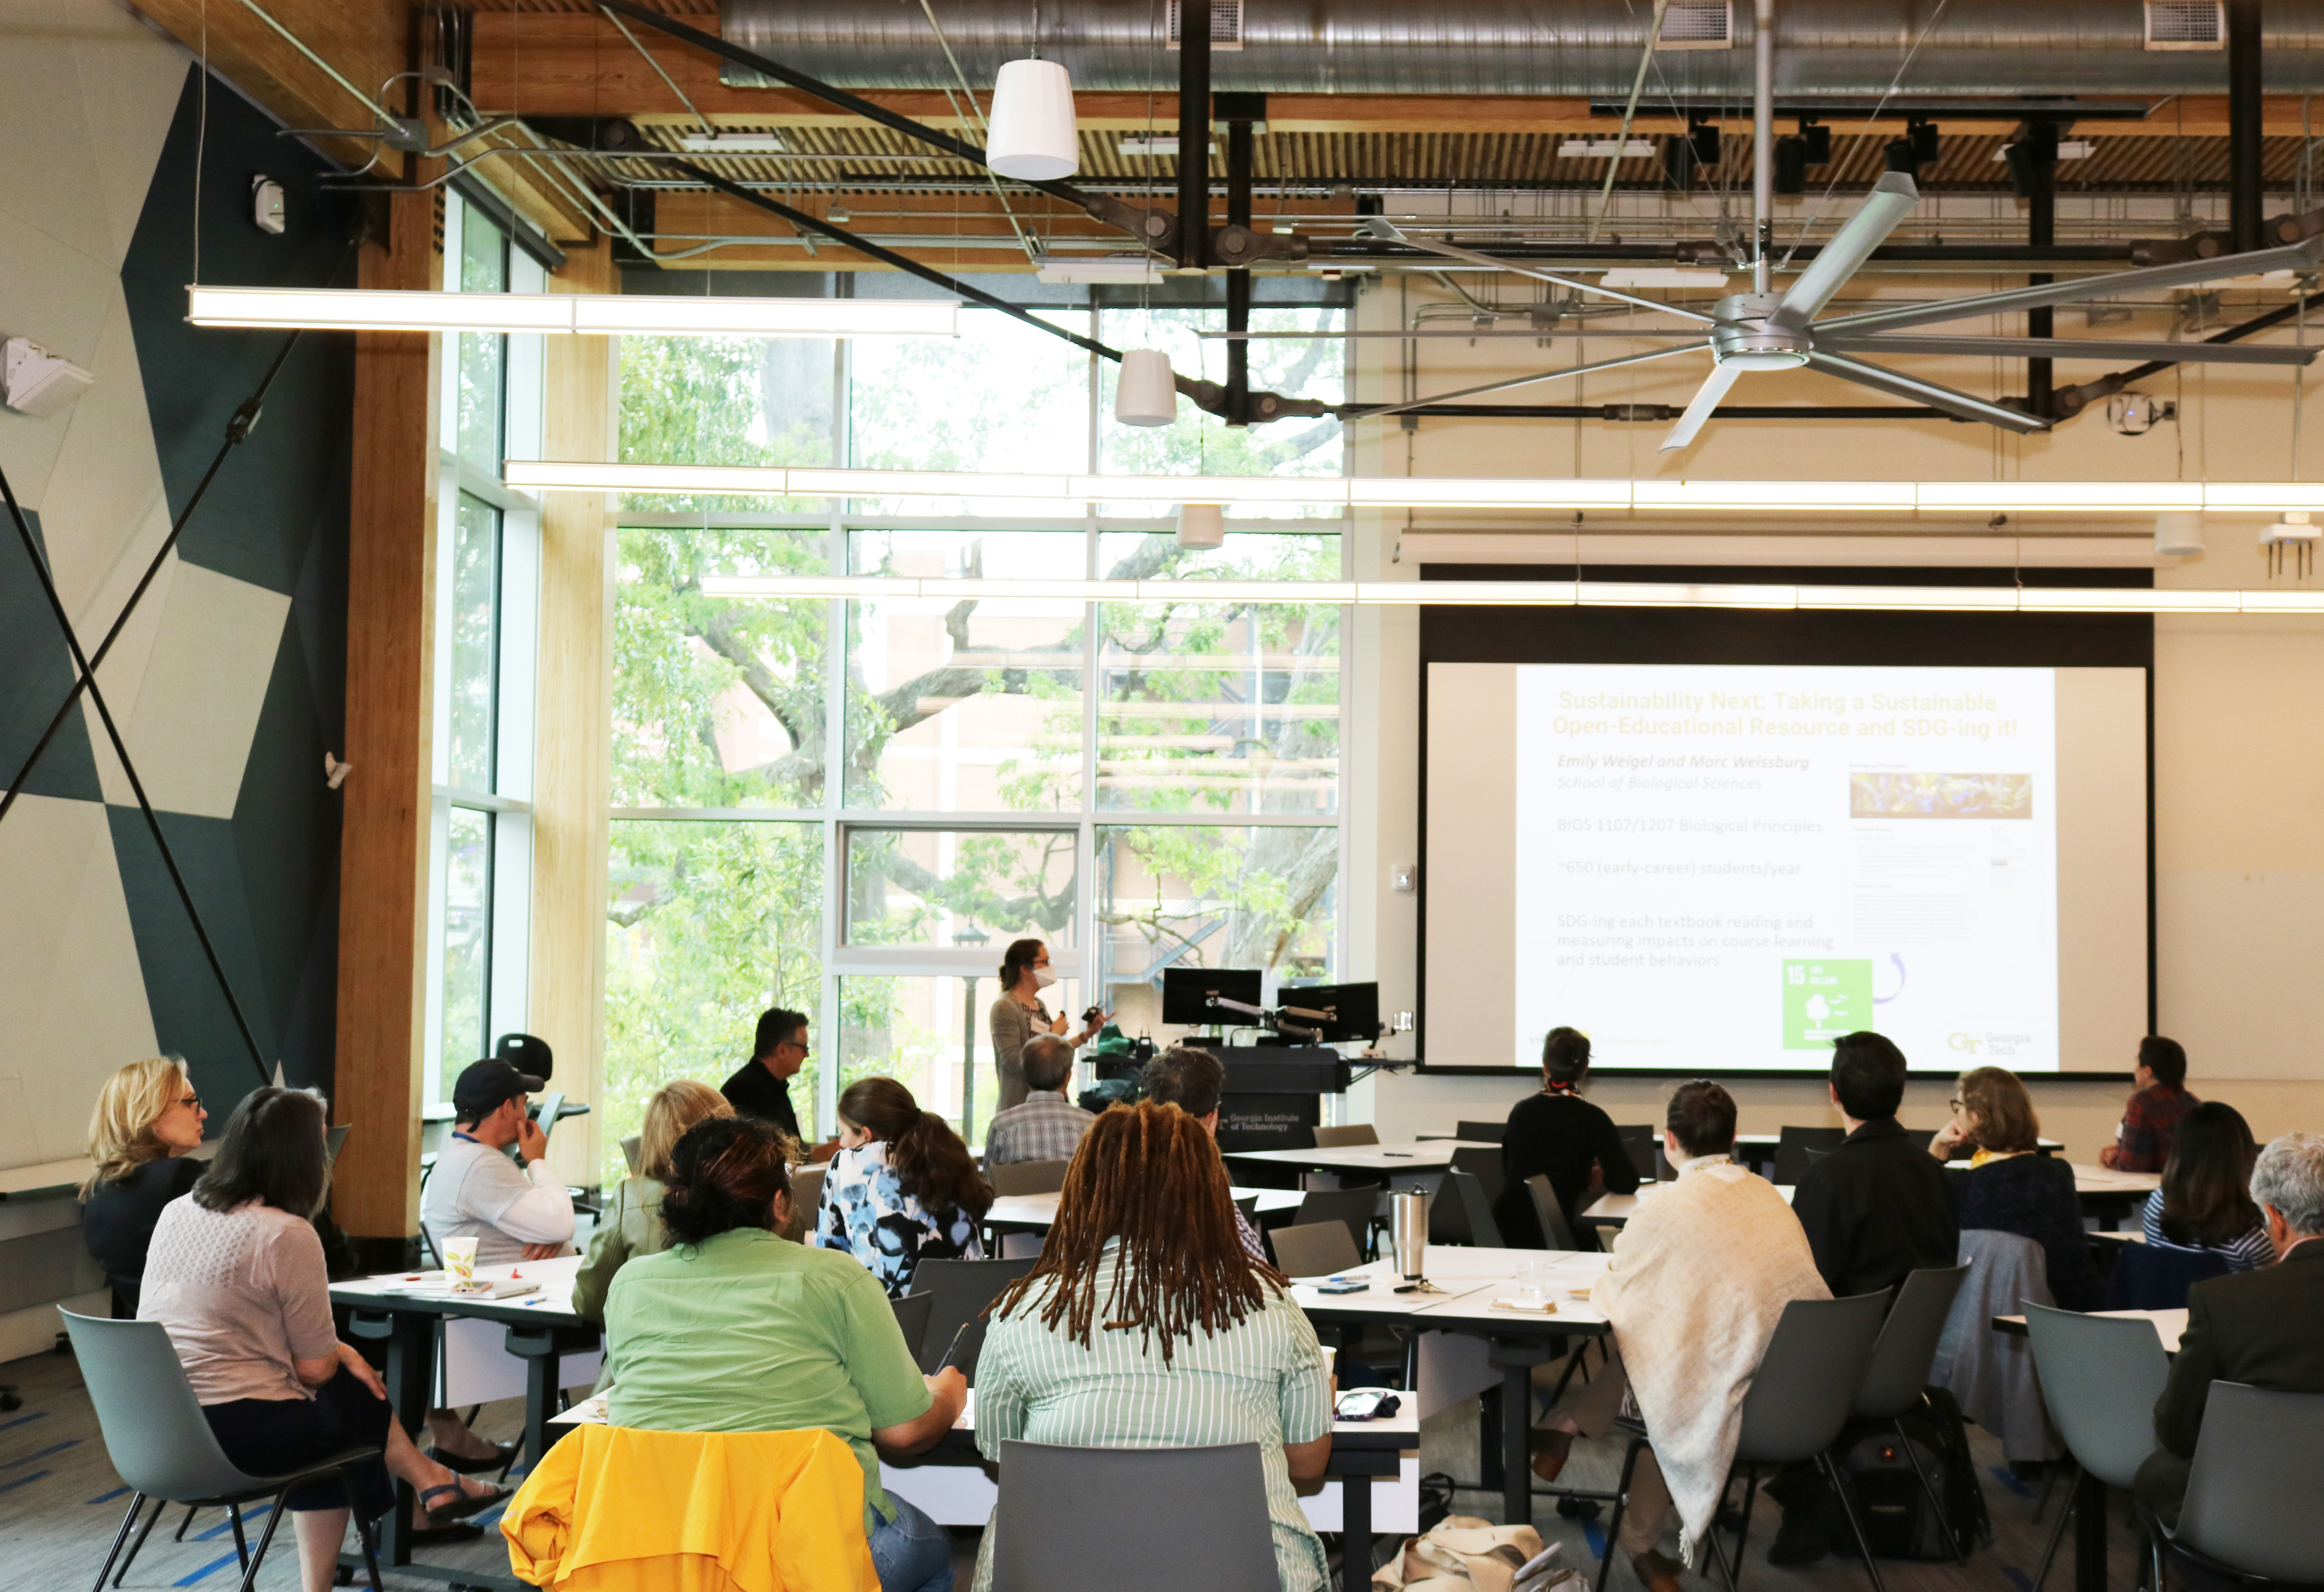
(1825,998)
(1941,795)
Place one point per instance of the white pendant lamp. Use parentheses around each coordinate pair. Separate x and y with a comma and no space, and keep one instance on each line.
(2179,536)
(1202,525)
(1146,394)
(1033,136)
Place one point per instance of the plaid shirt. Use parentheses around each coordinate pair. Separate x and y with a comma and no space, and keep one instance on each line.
(2149,1123)
(1047,1127)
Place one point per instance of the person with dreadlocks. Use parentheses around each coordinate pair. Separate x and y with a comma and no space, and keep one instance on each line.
(1144,1325)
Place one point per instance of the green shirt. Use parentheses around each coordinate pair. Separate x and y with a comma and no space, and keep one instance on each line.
(630,1229)
(751,1332)
(1263,1380)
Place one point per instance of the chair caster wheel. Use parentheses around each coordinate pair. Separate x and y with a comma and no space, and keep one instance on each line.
(345,1576)
(1578,1508)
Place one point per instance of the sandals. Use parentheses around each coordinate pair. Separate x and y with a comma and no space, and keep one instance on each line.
(476,1465)
(463,1501)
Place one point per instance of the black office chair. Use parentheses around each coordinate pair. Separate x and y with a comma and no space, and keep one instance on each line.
(962,1290)
(1461,1214)
(1355,1207)
(1489,1132)
(1557,1232)
(912,1319)
(1485,1166)
(1796,1149)
(1640,1142)
(2148,1276)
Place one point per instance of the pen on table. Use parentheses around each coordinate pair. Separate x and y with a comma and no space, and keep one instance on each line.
(1395,1155)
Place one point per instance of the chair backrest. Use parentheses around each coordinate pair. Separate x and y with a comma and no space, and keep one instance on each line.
(154,1429)
(1640,1141)
(1556,1230)
(1907,1344)
(1029,1177)
(2258,1470)
(546,1109)
(1354,1207)
(806,1195)
(1353,1133)
(1131,1512)
(1483,1133)
(1485,1166)
(961,1289)
(2101,1378)
(1248,1204)
(2155,1276)
(629,1152)
(1461,1214)
(912,1316)
(1807,1379)
(1793,1146)
(1314,1250)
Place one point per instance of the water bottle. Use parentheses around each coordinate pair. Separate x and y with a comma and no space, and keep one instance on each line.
(1408,1231)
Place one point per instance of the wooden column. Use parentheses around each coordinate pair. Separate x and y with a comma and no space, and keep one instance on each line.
(383,844)
(573,751)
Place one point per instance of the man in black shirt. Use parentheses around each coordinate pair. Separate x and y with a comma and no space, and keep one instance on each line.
(1559,1134)
(1878,1207)
(762,1086)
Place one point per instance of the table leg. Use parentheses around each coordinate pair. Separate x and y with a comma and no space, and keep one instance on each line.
(2090,1534)
(410,1379)
(1355,1533)
(1517,1466)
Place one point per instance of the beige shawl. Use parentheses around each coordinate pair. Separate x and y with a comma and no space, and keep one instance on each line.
(1698,1280)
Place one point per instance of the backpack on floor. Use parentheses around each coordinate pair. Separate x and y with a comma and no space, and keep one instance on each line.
(1898,1520)
(1465,1554)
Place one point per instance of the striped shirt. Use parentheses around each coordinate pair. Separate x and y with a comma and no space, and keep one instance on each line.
(2247,1254)
(1047,1127)
(1264,1380)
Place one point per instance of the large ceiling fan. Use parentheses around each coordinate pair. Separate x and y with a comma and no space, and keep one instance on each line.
(1763,330)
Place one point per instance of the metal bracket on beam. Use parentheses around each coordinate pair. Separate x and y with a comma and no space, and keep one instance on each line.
(1232,245)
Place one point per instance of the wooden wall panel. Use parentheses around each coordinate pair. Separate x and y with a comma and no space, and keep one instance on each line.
(383,845)
(573,752)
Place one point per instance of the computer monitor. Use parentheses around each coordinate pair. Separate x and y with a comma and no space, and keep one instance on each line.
(1355,1009)
(1186,994)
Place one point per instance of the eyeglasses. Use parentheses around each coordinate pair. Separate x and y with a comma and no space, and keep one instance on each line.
(192,1102)
(1956,1105)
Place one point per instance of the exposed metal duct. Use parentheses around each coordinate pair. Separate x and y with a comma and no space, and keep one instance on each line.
(1576,47)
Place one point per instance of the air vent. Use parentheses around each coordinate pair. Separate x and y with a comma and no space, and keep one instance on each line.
(1226,23)
(1697,24)
(2186,24)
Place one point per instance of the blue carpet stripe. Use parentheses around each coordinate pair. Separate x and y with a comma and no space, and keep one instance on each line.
(70,1442)
(7,1487)
(19,1420)
(211,1569)
(250,1519)
(110,1497)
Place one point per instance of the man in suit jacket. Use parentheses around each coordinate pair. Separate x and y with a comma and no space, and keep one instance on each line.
(1878,1206)
(2252,1326)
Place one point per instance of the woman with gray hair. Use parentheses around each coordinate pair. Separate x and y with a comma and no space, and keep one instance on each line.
(2256,1327)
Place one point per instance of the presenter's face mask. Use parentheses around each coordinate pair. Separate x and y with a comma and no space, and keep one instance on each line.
(1043,977)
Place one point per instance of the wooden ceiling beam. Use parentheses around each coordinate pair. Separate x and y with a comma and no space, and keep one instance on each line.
(366,41)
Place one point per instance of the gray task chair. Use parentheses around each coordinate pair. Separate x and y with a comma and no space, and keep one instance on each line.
(159,1442)
(1799,1400)
(1557,1232)
(960,1291)
(1485,1166)
(1352,1207)
(1029,1177)
(1898,1376)
(1481,1133)
(2248,1519)
(1315,1250)
(912,1319)
(1461,1214)
(2101,1378)
(1131,1507)
(1340,1138)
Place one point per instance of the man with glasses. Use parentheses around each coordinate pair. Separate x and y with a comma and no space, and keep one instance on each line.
(762,1086)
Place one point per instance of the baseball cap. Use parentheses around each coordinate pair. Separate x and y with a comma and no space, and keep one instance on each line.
(483,1085)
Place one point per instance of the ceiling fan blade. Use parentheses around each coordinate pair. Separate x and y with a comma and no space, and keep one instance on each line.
(2077,348)
(2302,256)
(1892,199)
(1387,232)
(1928,393)
(1369,411)
(1706,399)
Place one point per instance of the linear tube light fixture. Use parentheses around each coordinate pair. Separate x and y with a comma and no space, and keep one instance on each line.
(390,309)
(1546,593)
(1954,499)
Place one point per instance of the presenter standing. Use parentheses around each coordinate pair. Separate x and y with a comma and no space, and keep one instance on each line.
(1020,1013)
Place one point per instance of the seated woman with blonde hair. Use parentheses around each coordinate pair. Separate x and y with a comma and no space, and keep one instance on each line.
(632,1225)
(147,1121)
(2009,1187)
(1145,1325)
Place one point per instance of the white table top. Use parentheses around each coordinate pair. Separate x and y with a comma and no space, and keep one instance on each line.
(1469,1281)
(1403,1155)
(2088,1179)
(2170,1325)
(555,1278)
(1041,1210)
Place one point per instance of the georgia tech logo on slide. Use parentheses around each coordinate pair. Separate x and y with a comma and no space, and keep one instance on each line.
(1965,1041)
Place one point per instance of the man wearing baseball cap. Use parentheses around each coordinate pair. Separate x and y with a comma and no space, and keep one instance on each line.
(477,1193)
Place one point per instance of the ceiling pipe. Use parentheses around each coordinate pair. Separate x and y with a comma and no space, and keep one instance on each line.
(1576,47)
(1193,136)
(2244,201)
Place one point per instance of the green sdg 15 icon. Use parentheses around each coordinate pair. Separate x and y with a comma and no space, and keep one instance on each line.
(1824,1000)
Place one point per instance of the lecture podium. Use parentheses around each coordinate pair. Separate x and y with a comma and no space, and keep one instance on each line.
(1274,1094)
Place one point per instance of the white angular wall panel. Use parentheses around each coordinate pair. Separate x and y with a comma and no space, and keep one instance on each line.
(204,684)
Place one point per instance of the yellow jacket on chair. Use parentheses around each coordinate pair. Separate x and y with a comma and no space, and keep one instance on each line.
(614,1509)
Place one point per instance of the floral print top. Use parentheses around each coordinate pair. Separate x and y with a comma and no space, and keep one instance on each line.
(866,1212)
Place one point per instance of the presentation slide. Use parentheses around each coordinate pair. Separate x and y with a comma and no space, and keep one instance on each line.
(1719,866)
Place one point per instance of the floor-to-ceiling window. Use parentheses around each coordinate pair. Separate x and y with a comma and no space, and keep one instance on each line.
(850,808)
(487,574)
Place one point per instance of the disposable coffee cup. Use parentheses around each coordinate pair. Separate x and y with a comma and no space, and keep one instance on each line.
(460,1259)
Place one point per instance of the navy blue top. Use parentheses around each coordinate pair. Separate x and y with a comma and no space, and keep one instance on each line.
(2034,1197)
